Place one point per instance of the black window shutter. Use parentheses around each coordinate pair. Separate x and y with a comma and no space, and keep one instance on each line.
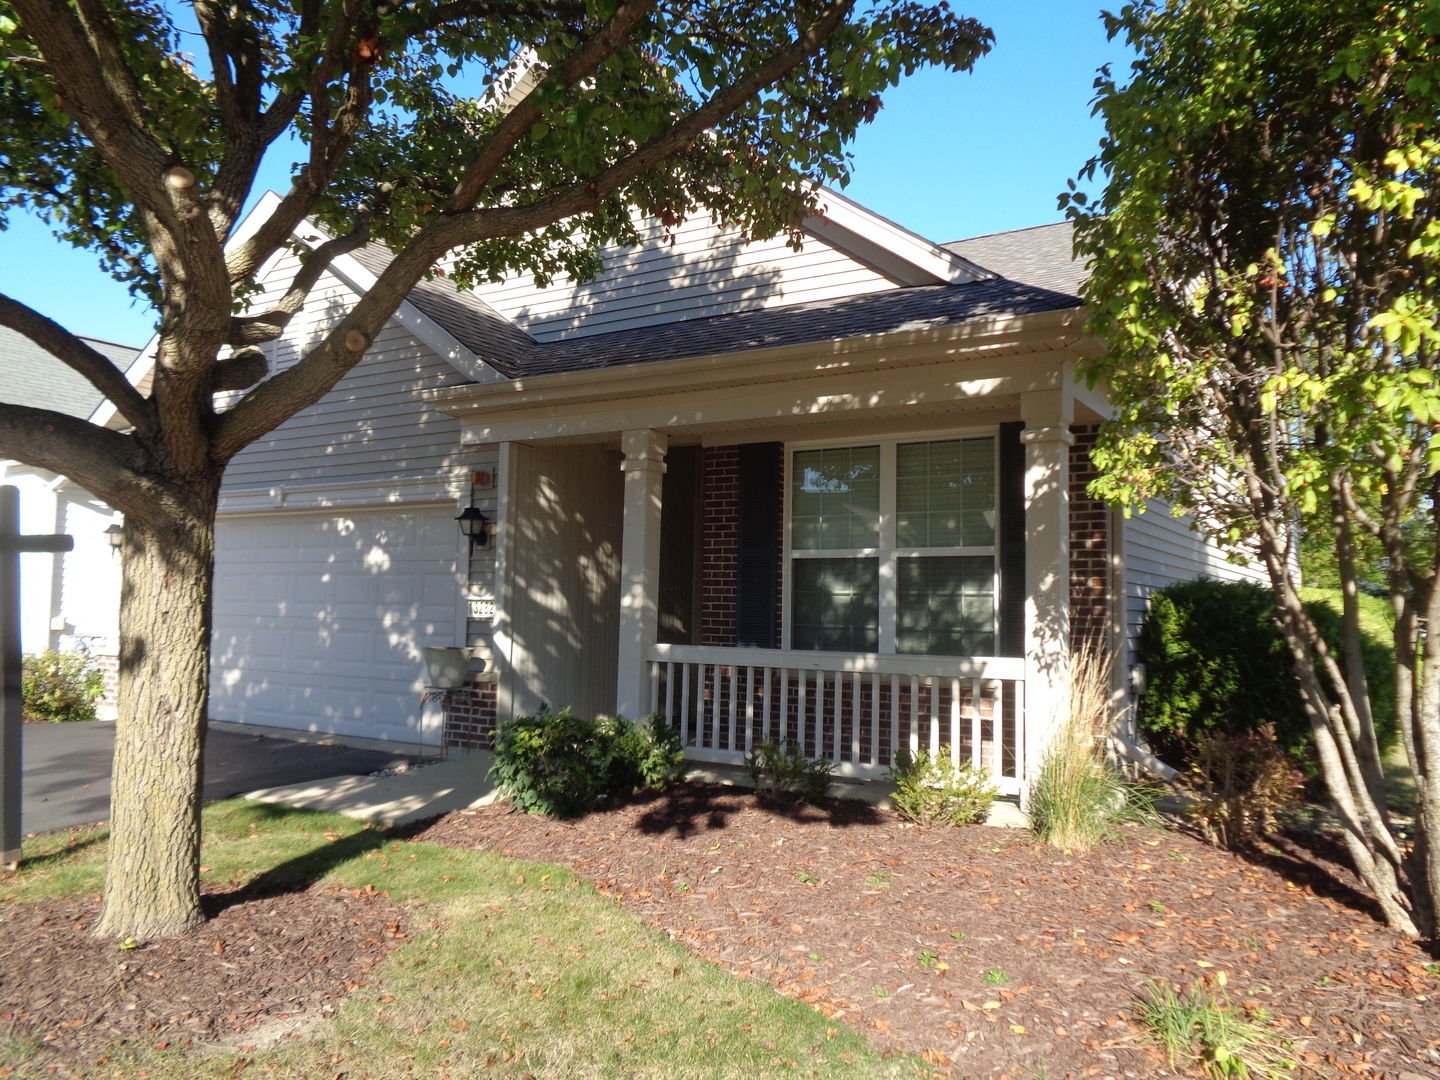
(1010,541)
(757,571)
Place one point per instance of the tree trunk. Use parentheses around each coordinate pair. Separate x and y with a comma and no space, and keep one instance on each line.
(152,886)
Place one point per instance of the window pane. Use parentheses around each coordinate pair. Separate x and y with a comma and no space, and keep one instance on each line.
(835,499)
(946,605)
(945,494)
(835,604)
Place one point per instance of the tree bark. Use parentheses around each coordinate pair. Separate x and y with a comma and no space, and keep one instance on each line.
(152,884)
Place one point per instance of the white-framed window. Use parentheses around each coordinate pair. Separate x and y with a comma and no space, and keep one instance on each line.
(890,546)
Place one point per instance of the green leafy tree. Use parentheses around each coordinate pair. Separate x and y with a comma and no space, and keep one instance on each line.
(1266,274)
(576,112)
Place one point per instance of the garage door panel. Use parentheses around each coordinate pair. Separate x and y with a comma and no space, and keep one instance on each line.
(321,618)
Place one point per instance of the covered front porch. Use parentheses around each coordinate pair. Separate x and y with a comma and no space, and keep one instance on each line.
(854,709)
(641,566)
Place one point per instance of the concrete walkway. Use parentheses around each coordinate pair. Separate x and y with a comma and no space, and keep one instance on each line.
(460,783)
(66,767)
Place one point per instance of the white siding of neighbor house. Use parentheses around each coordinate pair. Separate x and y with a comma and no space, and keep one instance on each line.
(707,270)
(373,425)
(1161,549)
(558,632)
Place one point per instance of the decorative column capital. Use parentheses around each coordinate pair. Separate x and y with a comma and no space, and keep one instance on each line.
(1050,433)
(644,450)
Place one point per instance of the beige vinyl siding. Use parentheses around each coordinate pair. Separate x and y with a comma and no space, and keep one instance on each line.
(706,271)
(373,425)
(561,601)
(483,584)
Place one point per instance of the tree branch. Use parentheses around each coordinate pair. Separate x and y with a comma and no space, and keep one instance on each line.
(83,55)
(280,397)
(498,221)
(105,463)
(74,353)
(269,325)
(581,63)
(325,151)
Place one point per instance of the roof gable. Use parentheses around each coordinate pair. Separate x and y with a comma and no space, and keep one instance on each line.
(1042,256)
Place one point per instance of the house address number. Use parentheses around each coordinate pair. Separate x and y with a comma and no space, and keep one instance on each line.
(482,609)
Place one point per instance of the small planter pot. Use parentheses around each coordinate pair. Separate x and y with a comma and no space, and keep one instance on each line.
(446,667)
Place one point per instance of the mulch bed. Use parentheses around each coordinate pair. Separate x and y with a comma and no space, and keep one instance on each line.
(991,955)
(263,968)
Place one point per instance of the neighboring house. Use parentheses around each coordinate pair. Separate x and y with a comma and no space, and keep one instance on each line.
(68,601)
(833,495)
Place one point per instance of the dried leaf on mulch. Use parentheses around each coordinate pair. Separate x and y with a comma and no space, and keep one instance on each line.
(988,954)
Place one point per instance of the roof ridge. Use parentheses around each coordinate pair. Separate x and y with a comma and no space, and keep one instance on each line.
(1006,232)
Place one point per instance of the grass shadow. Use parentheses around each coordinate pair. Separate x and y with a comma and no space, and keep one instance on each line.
(39,862)
(301,871)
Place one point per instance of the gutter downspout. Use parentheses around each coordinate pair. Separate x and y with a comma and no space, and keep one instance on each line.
(1146,760)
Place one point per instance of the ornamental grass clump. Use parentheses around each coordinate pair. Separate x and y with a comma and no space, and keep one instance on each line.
(1078,798)
(1203,1027)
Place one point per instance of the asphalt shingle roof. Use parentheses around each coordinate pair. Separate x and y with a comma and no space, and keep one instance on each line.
(512,352)
(1039,256)
(31,376)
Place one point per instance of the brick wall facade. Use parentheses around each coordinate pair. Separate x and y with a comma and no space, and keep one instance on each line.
(1089,546)
(109,667)
(469,717)
(719,544)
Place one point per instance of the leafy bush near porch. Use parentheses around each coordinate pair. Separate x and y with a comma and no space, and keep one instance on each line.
(780,771)
(1241,784)
(562,765)
(931,789)
(1216,663)
(60,687)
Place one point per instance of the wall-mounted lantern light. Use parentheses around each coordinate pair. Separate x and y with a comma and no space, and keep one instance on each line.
(115,536)
(475,525)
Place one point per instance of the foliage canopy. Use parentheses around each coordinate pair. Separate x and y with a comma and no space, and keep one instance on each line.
(1266,276)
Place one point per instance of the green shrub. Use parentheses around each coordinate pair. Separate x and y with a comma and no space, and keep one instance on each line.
(1241,784)
(1216,662)
(60,687)
(930,789)
(561,765)
(778,771)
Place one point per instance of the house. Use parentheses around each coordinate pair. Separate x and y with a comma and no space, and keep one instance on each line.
(833,495)
(72,600)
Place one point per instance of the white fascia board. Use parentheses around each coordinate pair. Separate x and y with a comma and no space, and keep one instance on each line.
(443,488)
(894,250)
(1062,329)
(350,270)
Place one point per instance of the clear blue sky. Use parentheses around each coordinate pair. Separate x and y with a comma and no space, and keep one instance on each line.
(950,156)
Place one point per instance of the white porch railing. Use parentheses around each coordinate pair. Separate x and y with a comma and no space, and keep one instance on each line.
(856,709)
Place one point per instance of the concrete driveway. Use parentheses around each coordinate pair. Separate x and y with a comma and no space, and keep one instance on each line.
(67,769)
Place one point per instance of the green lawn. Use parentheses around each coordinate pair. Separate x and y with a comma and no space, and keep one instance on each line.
(512,969)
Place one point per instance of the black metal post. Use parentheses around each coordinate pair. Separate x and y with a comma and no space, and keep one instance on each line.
(11,708)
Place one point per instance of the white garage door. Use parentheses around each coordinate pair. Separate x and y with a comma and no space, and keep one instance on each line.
(320,618)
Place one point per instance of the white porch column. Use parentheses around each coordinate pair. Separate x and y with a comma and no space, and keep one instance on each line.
(1047,438)
(644,468)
